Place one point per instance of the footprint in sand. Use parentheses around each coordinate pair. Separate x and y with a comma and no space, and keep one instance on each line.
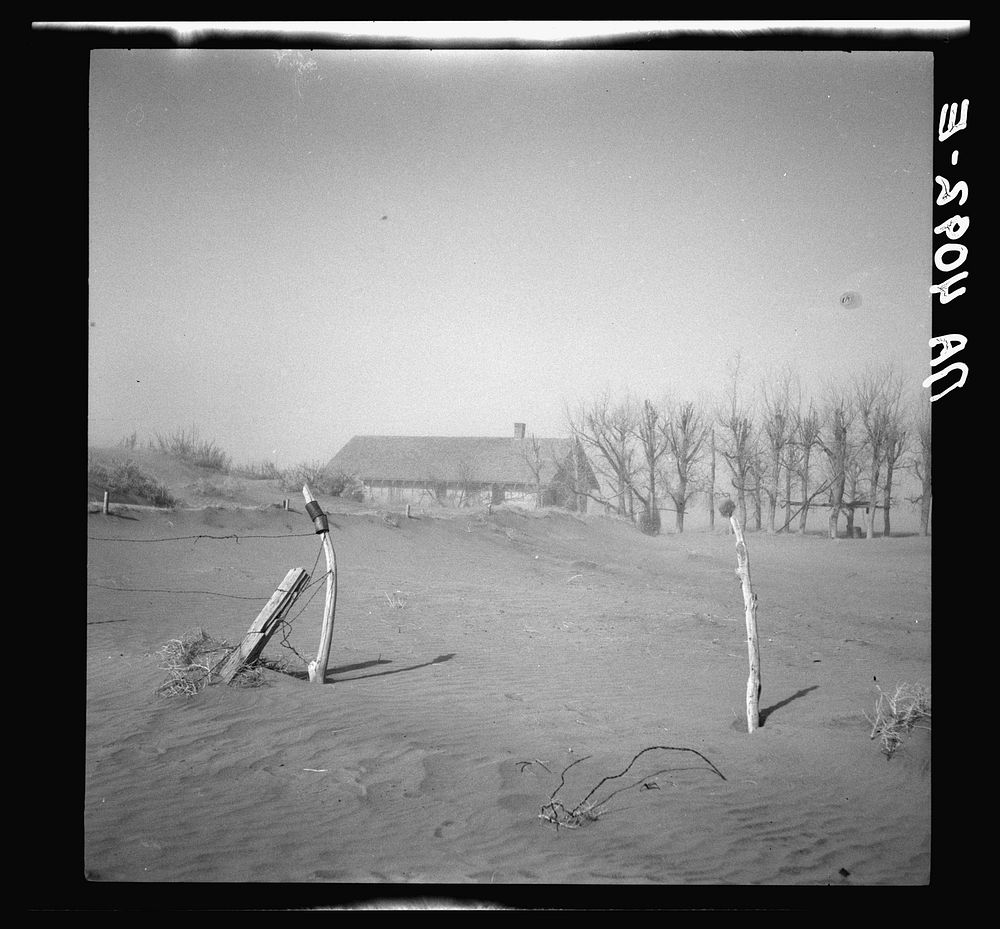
(439,832)
(351,777)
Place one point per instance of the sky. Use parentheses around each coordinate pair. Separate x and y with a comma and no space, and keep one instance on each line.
(291,248)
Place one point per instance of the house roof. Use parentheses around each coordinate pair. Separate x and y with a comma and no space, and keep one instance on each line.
(483,459)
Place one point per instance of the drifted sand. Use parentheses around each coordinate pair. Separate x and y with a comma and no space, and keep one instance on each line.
(514,644)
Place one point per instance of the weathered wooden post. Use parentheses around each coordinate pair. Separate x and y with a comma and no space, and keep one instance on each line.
(407,510)
(106,508)
(317,668)
(264,625)
(727,509)
(285,504)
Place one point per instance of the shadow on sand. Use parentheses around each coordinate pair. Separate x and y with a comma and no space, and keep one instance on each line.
(360,666)
(367,664)
(765,712)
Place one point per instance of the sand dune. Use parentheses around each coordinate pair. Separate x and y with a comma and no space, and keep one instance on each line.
(474,658)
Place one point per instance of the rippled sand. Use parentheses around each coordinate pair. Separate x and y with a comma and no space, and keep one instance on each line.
(474,659)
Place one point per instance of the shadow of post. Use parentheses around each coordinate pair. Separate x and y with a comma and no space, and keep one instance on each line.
(359,677)
(361,665)
(765,712)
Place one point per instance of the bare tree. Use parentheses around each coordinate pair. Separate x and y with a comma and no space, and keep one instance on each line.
(806,436)
(778,423)
(530,451)
(466,482)
(921,461)
(757,468)
(736,438)
(685,430)
(607,429)
(854,464)
(574,469)
(653,444)
(711,479)
(571,484)
(790,465)
(835,440)
(897,443)
(877,393)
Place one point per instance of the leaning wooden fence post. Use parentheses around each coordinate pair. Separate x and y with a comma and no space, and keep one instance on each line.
(264,625)
(317,668)
(750,608)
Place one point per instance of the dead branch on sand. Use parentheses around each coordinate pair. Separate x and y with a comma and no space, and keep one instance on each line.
(557,813)
(524,764)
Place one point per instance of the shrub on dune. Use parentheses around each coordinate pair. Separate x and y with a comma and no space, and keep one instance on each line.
(319,479)
(189,447)
(125,478)
(258,471)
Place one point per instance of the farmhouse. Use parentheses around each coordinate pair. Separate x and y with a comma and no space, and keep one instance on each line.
(468,470)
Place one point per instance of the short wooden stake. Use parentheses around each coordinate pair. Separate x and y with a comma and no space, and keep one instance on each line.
(317,668)
(264,625)
(407,510)
(750,608)
(286,503)
(106,508)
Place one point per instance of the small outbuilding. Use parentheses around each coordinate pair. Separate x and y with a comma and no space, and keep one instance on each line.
(468,470)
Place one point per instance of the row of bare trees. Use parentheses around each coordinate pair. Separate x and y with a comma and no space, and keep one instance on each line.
(770,448)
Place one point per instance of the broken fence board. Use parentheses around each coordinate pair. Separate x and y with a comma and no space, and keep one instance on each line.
(264,625)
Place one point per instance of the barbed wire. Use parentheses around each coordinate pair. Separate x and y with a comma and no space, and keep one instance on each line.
(315,582)
(316,562)
(286,624)
(181,538)
(215,593)
(286,628)
(161,590)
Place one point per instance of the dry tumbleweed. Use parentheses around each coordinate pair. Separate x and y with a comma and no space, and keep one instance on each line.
(190,663)
(895,715)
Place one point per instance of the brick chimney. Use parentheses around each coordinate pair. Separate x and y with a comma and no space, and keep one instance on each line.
(518,430)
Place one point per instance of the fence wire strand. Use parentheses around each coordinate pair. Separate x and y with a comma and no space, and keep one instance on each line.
(285,624)
(182,538)
(161,590)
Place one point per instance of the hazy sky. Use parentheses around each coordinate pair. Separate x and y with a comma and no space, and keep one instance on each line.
(288,249)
